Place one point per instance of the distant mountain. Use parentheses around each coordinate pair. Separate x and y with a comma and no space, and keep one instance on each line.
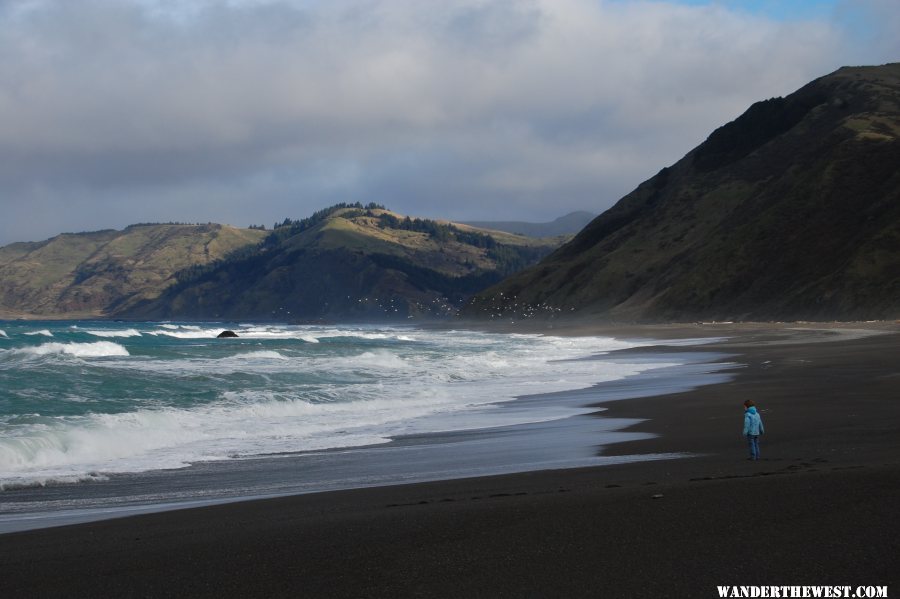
(791,211)
(569,224)
(95,274)
(349,262)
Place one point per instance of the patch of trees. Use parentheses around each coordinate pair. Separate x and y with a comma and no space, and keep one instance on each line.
(437,231)
(296,226)
(288,227)
(171,222)
(510,259)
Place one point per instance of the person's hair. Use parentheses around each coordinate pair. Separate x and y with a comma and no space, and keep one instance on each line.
(748,403)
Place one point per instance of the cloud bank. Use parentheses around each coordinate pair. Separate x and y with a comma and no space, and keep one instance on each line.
(119,111)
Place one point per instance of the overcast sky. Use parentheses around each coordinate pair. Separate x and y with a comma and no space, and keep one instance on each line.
(249,111)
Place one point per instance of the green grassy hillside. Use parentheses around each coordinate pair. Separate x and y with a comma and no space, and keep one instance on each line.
(349,262)
(792,211)
(95,274)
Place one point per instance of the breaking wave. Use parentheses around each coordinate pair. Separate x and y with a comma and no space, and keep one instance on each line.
(114,333)
(99,349)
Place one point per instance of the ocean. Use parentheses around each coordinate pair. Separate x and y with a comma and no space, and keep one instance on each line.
(99,419)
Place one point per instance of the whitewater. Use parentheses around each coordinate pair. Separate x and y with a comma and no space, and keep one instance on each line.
(91,402)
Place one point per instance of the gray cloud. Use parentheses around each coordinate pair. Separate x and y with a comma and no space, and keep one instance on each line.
(116,111)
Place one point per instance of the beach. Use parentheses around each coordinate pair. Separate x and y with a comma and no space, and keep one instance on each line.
(817,509)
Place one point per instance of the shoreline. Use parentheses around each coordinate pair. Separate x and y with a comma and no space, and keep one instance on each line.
(817,509)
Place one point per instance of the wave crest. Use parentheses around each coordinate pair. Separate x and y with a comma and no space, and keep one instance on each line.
(113,333)
(98,349)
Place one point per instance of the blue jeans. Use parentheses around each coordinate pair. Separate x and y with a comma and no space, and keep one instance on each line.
(753,442)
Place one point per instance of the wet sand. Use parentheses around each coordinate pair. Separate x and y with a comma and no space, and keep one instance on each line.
(818,509)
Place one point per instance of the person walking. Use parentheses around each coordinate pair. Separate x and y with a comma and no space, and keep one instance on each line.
(753,428)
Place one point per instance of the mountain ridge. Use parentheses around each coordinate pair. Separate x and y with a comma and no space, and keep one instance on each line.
(90,274)
(349,262)
(423,267)
(791,211)
(568,224)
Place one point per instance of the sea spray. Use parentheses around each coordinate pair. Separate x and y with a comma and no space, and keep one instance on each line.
(43,332)
(79,350)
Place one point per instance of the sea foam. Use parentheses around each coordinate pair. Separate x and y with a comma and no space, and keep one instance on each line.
(98,349)
(115,333)
(259,355)
(275,332)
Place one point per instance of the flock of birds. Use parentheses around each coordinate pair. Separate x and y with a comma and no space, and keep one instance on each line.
(502,308)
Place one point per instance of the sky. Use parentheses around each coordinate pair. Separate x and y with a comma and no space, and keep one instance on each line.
(244,112)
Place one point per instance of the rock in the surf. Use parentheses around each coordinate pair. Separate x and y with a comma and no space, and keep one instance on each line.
(226,334)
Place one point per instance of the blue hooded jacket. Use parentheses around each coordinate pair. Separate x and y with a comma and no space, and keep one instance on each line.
(753,424)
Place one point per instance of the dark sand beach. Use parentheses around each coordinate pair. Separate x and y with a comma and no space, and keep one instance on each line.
(818,509)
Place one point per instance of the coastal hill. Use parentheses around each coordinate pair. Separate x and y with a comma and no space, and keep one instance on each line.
(349,262)
(569,224)
(789,212)
(81,275)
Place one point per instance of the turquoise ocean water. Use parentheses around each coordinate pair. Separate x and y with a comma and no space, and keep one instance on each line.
(85,403)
